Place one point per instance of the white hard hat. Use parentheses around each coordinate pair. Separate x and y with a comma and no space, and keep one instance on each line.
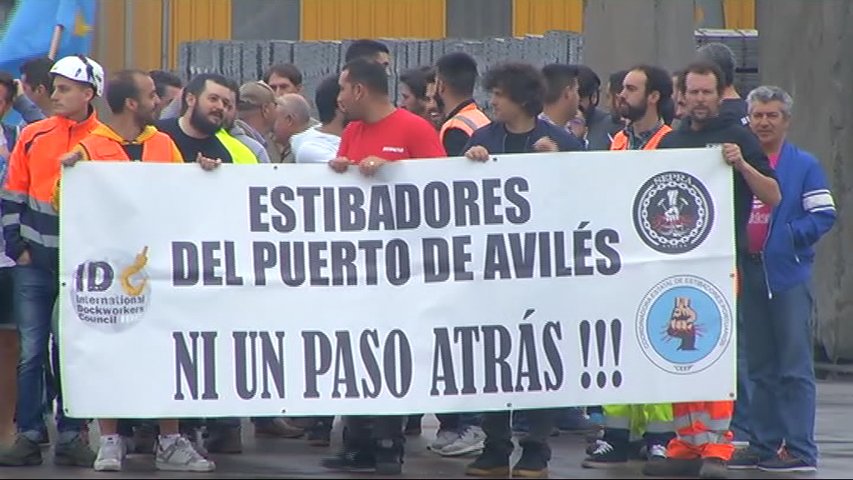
(81,69)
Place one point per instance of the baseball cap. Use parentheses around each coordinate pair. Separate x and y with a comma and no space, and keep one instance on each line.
(255,95)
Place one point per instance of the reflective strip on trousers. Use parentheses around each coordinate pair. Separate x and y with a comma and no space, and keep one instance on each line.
(660,427)
(49,241)
(620,422)
(687,421)
(704,438)
(41,207)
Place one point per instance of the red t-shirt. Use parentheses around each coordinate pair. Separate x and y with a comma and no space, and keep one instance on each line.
(399,136)
(759,219)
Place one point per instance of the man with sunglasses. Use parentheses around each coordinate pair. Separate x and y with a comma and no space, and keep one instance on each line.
(31,232)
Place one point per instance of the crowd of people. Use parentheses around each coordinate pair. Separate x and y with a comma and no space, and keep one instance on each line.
(783,206)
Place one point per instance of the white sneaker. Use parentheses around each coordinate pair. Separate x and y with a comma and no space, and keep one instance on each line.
(180,456)
(443,439)
(657,451)
(110,455)
(472,440)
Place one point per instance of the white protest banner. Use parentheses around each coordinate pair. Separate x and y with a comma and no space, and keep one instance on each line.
(440,285)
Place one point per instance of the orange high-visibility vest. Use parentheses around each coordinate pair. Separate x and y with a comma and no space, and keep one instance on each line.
(620,140)
(158,148)
(469,119)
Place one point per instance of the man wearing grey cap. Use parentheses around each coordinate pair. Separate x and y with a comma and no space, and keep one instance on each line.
(256,115)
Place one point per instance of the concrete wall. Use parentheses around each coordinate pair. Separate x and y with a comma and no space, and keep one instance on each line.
(265,20)
(619,34)
(805,47)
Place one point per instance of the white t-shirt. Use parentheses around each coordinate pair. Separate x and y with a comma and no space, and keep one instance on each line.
(314,146)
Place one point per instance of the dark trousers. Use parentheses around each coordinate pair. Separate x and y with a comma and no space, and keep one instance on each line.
(498,430)
(365,432)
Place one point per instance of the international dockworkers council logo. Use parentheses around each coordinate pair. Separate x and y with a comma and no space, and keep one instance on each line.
(673,212)
(684,324)
(113,292)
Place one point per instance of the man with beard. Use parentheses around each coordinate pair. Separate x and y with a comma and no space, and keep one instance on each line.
(200,137)
(198,131)
(600,126)
(456,78)
(130,136)
(378,133)
(704,439)
(646,94)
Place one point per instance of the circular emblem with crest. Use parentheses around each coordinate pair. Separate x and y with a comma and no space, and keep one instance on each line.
(673,212)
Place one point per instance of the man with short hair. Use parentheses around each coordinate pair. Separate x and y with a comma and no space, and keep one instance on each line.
(378,133)
(198,131)
(600,126)
(292,116)
(733,108)
(455,80)
(561,94)
(778,302)
(38,86)
(645,97)
(31,233)
(704,439)
(413,90)
(370,50)
(168,89)
(283,78)
(130,136)
(517,93)
(320,144)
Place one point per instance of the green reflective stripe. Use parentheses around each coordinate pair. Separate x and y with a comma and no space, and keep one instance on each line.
(13,196)
(10,219)
(240,154)
(49,241)
(659,427)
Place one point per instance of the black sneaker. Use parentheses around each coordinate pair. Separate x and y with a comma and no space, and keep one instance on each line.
(713,468)
(744,459)
(533,462)
(24,452)
(351,460)
(75,453)
(786,464)
(389,457)
(490,463)
(606,455)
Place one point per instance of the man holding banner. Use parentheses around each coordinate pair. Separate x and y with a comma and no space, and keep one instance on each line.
(31,231)
(646,94)
(517,93)
(377,134)
(703,427)
(130,136)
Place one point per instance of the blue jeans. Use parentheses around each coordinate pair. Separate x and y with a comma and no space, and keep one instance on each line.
(780,361)
(35,292)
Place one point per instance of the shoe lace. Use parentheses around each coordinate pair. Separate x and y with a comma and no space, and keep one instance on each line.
(470,434)
(602,447)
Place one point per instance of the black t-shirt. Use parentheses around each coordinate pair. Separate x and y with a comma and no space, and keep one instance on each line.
(734,110)
(190,147)
(517,142)
(133,151)
(718,131)
(454,142)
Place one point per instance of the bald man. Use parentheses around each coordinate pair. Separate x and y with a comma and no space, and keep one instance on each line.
(292,116)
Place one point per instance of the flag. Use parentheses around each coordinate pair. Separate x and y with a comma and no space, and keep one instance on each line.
(30,28)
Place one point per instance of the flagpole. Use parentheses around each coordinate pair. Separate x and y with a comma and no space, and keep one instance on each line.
(54,42)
